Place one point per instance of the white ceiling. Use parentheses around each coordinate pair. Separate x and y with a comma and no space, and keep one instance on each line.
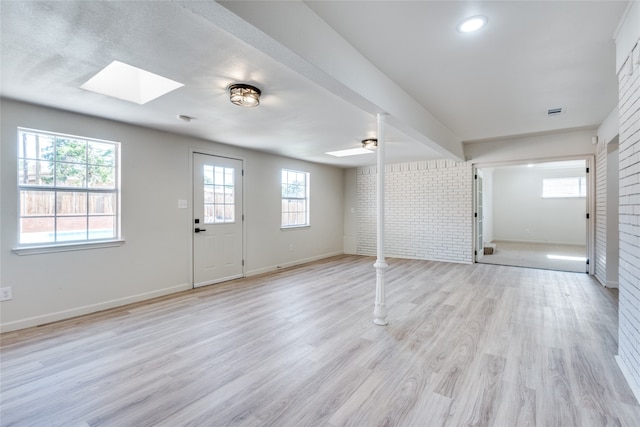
(326,69)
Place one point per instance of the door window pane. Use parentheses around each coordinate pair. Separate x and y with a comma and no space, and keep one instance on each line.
(219,194)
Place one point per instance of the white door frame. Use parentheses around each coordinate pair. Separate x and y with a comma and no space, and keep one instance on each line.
(590,201)
(189,223)
(478,214)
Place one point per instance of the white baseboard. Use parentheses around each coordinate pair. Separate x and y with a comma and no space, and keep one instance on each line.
(450,261)
(87,309)
(635,388)
(290,264)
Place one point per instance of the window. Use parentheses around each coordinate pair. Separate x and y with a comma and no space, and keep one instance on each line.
(564,187)
(295,198)
(219,196)
(69,188)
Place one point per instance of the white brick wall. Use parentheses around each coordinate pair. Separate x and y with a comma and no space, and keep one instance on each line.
(601,213)
(428,211)
(629,214)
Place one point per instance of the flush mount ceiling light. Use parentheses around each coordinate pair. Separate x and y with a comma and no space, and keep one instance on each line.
(472,24)
(244,95)
(369,143)
(129,83)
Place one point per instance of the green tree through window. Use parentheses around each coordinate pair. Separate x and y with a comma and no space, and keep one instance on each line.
(68,188)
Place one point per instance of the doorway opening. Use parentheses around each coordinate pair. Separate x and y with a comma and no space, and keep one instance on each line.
(534,215)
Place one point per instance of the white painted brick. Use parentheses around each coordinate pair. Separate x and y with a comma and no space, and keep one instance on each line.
(427,212)
(629,152)
(601,213)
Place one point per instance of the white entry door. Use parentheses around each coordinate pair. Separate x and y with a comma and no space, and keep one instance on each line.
(217,219)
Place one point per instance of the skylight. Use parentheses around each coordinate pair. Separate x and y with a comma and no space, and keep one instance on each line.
(130,83)
(350,152)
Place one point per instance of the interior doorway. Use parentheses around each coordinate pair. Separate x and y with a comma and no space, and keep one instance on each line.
(535,215)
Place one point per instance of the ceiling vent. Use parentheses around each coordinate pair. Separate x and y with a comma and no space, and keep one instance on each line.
(554,111)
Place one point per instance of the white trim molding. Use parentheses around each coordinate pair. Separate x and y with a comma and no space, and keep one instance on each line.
(35,250)
(88,309)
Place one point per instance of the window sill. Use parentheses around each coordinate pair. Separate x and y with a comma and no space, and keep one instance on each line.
(35,250)
(294,227)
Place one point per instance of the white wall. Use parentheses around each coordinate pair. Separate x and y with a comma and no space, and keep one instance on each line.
(427,211)
(609,129)
(549,146)
(350,214)
(521,214)
(487,206)
(155,258)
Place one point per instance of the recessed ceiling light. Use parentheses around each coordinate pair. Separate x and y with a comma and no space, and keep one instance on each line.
(124,81)
(350,152)
(473,23)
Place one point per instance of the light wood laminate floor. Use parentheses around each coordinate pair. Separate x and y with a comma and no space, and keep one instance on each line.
(547,256)
(479,345)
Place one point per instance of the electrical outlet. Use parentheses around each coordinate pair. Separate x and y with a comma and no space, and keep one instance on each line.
(5,294)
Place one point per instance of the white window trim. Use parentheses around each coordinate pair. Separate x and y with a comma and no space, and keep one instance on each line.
(294,227)
(42,248)
(307,199)
(35,250)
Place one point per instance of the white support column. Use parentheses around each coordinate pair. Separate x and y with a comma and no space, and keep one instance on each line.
(380,308)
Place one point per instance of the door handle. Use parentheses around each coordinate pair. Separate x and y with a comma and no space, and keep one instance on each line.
(197,230)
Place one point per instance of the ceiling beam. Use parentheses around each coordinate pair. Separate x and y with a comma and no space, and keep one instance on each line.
(292,34)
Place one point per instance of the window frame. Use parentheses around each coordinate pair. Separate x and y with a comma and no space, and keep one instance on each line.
(284,198)
(85,190)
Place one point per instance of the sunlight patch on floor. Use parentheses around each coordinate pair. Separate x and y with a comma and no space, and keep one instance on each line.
(567,258)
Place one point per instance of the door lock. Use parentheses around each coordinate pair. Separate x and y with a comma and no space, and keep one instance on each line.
(197,230)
